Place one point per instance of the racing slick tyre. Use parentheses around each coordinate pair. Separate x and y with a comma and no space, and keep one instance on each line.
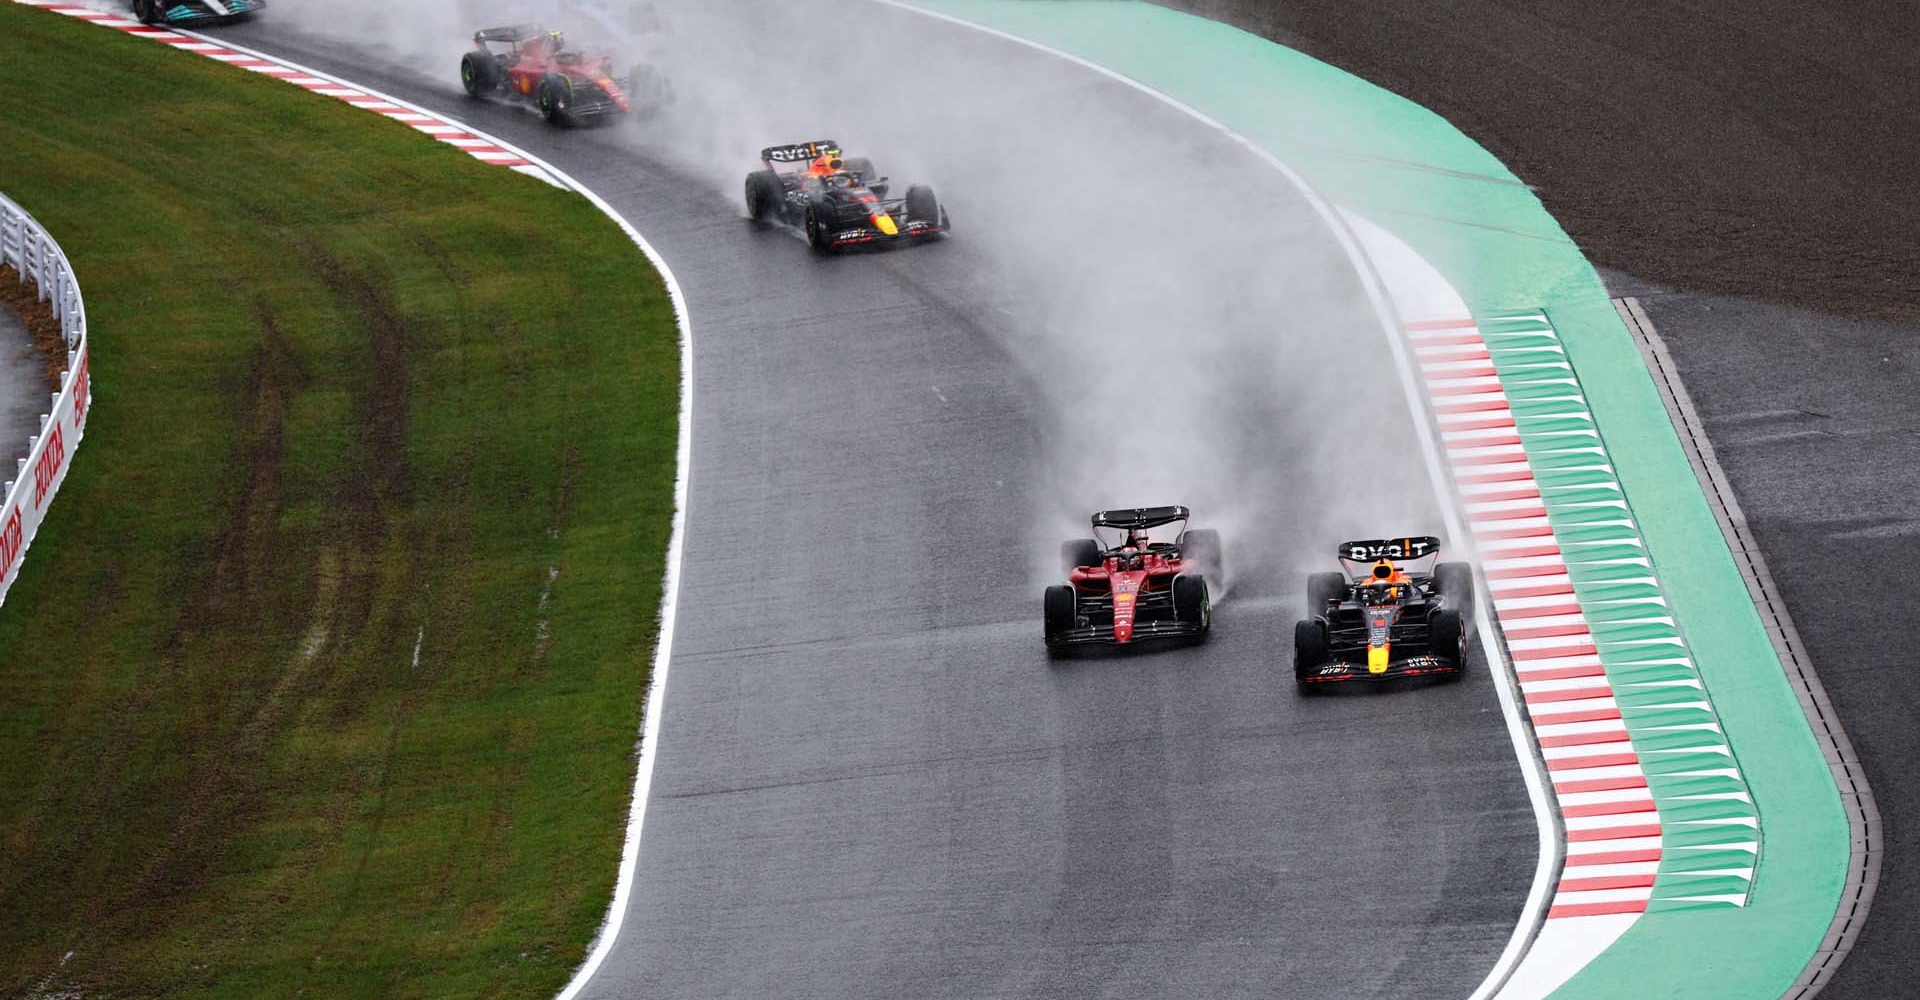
(1454,581)
(1202,546)
(1060,612)
(148,11)
(1309,652)
(478,73)
(922,206)
(819,237)
(1447,638)
(1322,588)
(1079,552)
(553,95)
(763,195)
(1190,604)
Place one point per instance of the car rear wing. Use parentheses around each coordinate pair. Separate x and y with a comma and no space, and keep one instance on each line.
(512,34)
(1139,518)
(799,152)
(1397,549)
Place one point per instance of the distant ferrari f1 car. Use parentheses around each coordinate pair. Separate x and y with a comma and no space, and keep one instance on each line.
(528,63)
(1392,612)
(838,202)
(195,11)
(1142,576)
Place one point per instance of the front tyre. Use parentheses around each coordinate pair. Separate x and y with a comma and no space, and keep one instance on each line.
(554,96)
(647,89)
(922,206)
(1190,604)
(819,237)
(1310,652)
(1059,613)
(148,12)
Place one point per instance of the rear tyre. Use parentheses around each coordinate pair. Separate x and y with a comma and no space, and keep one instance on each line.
(862,166)
(148,11)
(1323,588)
(1309,652)
(763,195)
(1454,581)
(1447,638)
(1202,547)
(479,74)
(1079,552)
(1059,612)
(554,95)
(922,206)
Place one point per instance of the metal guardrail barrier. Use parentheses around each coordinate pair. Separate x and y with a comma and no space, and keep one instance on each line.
(29,249)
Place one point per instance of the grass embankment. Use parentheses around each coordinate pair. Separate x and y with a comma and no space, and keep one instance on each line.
(324,676)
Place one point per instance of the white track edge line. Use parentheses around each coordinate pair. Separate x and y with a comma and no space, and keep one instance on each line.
(670,588)
(1532,770)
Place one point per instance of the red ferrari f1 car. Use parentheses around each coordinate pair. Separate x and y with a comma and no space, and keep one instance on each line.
(1393,611)
(1144,575)
(528,63)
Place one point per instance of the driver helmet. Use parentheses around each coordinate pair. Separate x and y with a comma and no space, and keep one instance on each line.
(556,42)
(1382,593)
(1129,555)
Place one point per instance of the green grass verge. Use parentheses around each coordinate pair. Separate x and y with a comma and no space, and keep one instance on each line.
(324,675)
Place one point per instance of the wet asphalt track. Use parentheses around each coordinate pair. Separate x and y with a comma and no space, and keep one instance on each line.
(872,782)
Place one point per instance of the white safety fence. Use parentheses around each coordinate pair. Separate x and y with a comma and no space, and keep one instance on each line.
(28,248)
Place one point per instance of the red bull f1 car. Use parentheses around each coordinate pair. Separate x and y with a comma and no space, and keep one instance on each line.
(839,202)
(1144,575)
(192,12)
(530,64)
(1392,611)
